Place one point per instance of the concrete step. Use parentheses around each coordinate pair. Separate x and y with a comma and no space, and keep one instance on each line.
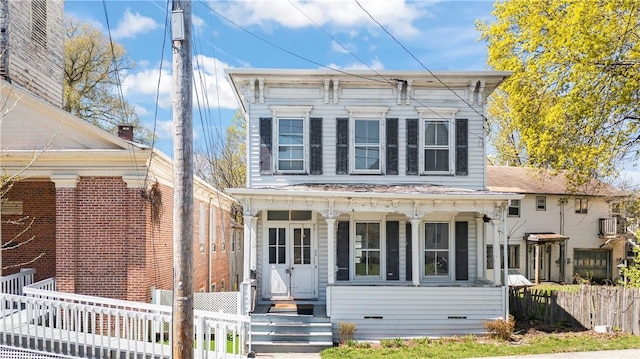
(276,337)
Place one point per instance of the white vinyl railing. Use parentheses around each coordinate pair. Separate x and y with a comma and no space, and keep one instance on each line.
(85,326)
(13,284)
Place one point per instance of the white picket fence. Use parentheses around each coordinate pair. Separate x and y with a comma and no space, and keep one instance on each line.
(93,327)
(13,284)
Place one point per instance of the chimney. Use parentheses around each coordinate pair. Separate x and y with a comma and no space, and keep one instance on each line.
(125,132)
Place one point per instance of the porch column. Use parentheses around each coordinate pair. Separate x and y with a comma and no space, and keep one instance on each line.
(331,248)
(415,255)
(248,228)
(254,244)
(496,251)
(536,263)
(66,231)
(481,249)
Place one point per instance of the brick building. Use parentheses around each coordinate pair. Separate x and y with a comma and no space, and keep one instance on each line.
(91,208)
(99,207)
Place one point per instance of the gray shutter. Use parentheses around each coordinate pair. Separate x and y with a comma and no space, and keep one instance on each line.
(342,146)
(265,145)
(412,146)
(462,251)
(392,146)
(408,255)
(393,250)
(342,251)
(462,148)
(315,144)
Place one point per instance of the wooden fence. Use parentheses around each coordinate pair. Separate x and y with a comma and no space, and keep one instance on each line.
(617,307)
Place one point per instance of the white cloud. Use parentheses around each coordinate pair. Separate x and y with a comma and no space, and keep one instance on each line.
(133,24)
(343,48)
(211,88)
(397,16)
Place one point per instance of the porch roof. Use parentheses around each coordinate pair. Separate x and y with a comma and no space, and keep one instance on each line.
(395,191)
(545,237)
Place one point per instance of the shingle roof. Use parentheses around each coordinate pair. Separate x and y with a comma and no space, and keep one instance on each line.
(533,180)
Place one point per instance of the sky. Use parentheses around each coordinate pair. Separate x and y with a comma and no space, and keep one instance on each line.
(304,34)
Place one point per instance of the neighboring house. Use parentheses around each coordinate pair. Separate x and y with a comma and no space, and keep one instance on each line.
(367,194)
(102,206)
(574,233)
(90,208)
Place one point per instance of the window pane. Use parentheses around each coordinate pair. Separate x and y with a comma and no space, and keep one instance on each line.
(367,131)
(297,255)
(272,255)
(272,236)
(282,237)
(290,131)
(281,255)
(429,263)
(300,215)
(442,134)
(436,159)
(430,133)
(436,235)
(277,216)
(442,263)
(373,263)
(307,255)
(367,158)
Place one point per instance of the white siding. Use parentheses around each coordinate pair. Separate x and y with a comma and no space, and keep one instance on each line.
(411,312)
(329,113)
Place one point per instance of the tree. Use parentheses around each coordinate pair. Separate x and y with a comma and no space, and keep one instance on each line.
(225,167)
(574,97)
(94,68)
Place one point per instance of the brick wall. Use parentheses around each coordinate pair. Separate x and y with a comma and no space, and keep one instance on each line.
(105,242)
(39,204)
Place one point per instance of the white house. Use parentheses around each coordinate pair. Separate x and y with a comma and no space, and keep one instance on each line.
(573,233)
(367,194)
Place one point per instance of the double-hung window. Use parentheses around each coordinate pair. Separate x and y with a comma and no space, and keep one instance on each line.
(437,128)
(367,144)
(367,249)
(367,139)
(291,145)
(436,249)
(291,136)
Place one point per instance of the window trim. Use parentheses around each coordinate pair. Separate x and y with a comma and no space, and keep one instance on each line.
(290,113)
(381,250)
(544,203)
(519,207)
(583,207)
(450,250)
(357,113)
(436,114)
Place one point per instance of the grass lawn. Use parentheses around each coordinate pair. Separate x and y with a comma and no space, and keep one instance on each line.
(468,347)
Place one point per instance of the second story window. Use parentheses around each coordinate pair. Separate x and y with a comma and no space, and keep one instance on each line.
(437,141)
(367,145)
(291,145)
(514,208)
(541,203)
(581,205)
(436,146)
(365,141)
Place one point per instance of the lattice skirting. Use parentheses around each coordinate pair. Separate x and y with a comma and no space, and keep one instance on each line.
(15,353)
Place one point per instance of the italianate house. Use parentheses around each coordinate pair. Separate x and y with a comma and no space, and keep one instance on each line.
(367,197)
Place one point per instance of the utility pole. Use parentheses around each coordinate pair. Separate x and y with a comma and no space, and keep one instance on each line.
(182,320)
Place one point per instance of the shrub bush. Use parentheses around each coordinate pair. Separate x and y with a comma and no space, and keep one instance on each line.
(501,329)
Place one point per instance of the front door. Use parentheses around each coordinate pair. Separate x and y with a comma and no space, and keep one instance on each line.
(291,262)
(543,262)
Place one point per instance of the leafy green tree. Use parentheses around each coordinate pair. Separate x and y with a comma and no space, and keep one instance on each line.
(225,166)
(94,68)
(574,97)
